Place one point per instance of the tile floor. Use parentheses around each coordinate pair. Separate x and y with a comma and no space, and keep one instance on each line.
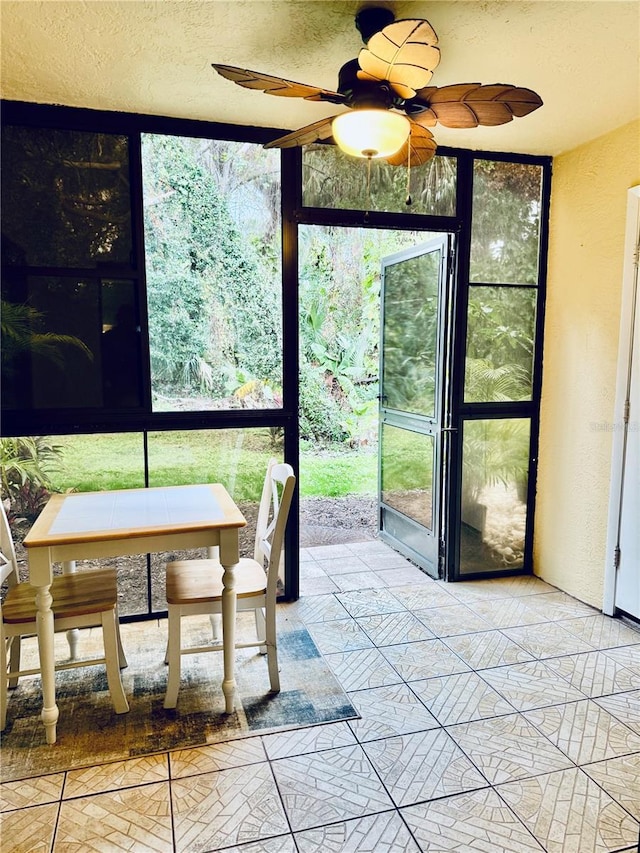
(497,715)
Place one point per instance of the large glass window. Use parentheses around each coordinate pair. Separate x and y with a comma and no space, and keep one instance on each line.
(330,178)
(506,222)
(68,193)
(212,251)
(500,338)
(495,468)
(70,342)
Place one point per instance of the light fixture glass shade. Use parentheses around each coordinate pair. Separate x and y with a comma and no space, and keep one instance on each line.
(370,133)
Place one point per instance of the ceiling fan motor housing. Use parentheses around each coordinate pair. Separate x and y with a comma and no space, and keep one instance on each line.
(359,94)
(371,20)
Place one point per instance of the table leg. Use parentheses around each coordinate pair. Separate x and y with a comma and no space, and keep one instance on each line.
(68,568)
(44,625)
(229,636)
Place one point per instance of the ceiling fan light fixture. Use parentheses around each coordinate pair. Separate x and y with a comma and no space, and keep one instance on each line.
(370,133)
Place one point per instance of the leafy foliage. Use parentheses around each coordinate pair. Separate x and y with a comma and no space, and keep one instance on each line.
(27,466)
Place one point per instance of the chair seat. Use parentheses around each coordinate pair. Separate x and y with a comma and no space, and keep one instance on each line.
(196,581)
(73,595)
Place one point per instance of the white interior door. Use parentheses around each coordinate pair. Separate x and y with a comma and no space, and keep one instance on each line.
(622,579)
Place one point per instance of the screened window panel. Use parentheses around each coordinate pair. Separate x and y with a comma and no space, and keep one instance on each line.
(500,338)
(214,298)
(407,464)
(237,458)
(493,508)
(332,179)
(75,343)
(67,193)
(505,229)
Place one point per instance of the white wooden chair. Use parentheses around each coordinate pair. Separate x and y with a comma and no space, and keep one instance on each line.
(194,587)
(86,599)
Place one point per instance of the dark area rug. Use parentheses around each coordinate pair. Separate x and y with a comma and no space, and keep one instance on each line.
(90,733)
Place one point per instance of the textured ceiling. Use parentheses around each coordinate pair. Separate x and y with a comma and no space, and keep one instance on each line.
(155,57)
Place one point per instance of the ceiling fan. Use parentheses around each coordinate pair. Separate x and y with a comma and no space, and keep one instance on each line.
(391,106)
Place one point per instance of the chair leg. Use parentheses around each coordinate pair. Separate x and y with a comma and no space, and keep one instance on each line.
(272,649)
(216,627)
(122,659)
(4,685)
(110,636)
(14,661)
(261,628)
(173,658)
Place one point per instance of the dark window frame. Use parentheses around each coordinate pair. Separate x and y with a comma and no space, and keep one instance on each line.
(54,422)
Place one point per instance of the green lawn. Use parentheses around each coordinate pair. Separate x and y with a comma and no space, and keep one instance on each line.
(236,458)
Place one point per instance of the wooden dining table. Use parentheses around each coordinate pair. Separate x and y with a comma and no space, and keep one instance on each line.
(94,525)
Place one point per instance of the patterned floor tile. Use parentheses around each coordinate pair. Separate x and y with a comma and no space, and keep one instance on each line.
(531,685)
(330,786)
(227,807)
(460,698)
(427,659)
(361,669)
(487,649)
(387,711)
(28,829)
(451,620)
(547,640)
(558,605)
(420,597)
(314,739)
(490,589)
(584,731)
(373,548)
(602,632)
(369,602)
(628,656)
(321,585)
(311,569)
(624,706)
(390,628)
(318,608)
(620,777)
(119,774)
(507,748)
(217,756)
(31,792)
(343,565)
(382,832)
(402,576)
(386,562)
(478,821)
(359,581)
(423,766)
(595,673)
(330,552)
(568,813)
(340,635)
(281,844)
(506,612)
(131,819)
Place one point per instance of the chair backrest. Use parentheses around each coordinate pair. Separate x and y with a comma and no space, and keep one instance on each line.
(8,562)
(273,513)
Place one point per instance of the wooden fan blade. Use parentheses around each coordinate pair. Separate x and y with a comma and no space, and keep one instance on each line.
(276,85)
(404,54)
(305,136)
(423,147)
(471,104)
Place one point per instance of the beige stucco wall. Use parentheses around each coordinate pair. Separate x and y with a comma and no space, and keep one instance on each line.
(588,208)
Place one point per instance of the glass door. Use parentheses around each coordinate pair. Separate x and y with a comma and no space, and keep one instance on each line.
(414,312)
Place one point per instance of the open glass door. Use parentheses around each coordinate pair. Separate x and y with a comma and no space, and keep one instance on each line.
(414,309)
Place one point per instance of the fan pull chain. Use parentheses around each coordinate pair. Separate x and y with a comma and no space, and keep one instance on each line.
(409,201)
